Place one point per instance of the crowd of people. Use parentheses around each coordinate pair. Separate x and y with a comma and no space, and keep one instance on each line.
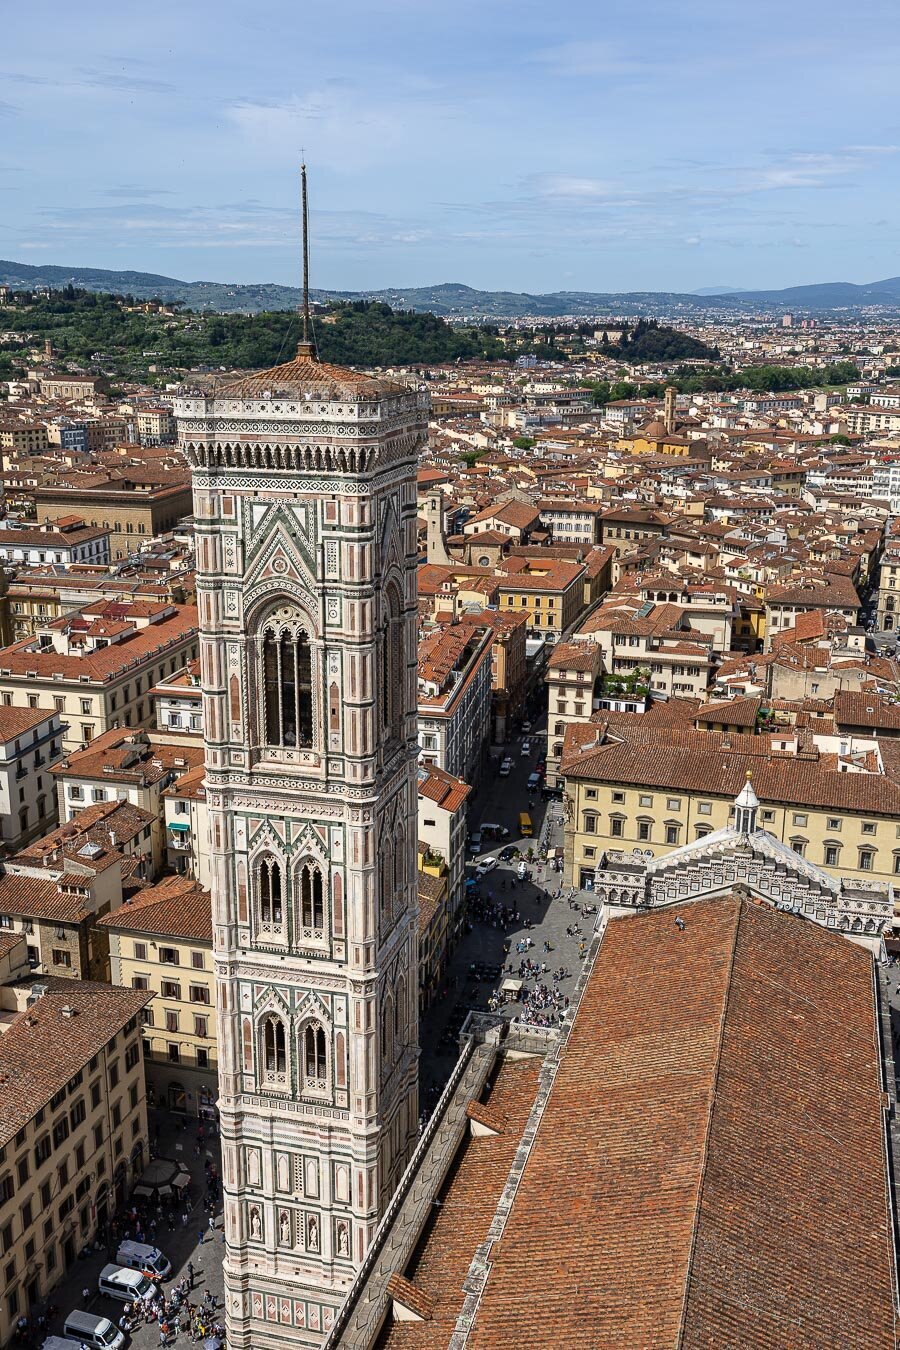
(176,1316)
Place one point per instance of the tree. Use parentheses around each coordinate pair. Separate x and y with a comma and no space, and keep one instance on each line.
(524,442)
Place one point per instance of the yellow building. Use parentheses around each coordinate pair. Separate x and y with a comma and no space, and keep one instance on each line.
(73,1124)
(659,788)
(162,943)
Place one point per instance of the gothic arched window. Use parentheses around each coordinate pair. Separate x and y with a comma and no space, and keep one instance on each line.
(287,686)
(268,884)
(315,1057)
(312,897)
(274,1046)
(393,665)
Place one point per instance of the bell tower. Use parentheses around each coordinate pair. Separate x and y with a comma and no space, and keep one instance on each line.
(304,481)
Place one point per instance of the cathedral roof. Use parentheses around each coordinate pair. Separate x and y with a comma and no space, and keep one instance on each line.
(305,375)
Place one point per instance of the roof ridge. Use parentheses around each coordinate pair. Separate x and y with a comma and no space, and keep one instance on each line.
(739,912)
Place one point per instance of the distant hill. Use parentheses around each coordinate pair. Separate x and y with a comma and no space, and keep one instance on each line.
(456,301)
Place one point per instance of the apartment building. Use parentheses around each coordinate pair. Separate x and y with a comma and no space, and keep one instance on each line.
(21,438)
(131,510)
(69,541)
(454,699)
(160,944)
(30,744)
(571,521)
(622,527)
(96,667)
(572,674)
(508,666)
(155,426)
(443,801)
(124,766)
(888,603)
(178,704)
(73,1129)
(653,646)
(833,593)
(656,788)
(186,822)
(550,592)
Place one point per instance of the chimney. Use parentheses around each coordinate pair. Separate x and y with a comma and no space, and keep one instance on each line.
(112,838)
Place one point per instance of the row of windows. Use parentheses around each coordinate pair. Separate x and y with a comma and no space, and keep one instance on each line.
(172,1021)
(168,956)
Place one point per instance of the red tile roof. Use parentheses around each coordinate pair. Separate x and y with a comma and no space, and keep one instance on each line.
(711,1152)
(175,907)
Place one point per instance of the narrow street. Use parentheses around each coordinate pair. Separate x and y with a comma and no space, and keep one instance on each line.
(479,964)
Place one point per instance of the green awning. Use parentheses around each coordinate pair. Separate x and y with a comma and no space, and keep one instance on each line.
(180,825)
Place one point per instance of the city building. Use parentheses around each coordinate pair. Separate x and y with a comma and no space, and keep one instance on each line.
(443,800)
(96,667)
(30,744)
(132,511)
(69,541)
(124,766)
(160,942)
(655,787)
(305,505)
(455,675)
(73,1129)
(551,593)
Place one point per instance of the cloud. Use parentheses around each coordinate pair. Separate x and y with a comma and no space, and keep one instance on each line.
(588,58)
(9,109)
(115,81)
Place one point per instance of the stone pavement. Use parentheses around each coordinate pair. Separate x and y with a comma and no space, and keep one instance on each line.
(543,916)
(180,1245)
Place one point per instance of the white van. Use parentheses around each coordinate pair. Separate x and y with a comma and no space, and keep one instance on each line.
(89,1329)
(141,1256)
(128,1285)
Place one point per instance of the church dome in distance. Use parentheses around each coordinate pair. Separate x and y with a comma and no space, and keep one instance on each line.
(655,430)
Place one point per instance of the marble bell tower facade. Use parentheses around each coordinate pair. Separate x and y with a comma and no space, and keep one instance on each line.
(304,483)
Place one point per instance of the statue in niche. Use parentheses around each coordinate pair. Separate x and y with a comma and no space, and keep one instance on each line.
(312,1233)
(284,1225)
(255,1224)
(343,1240)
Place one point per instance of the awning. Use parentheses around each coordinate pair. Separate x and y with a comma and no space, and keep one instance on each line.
(180,825)
(511,986)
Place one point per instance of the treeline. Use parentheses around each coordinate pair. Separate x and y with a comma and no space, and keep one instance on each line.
(650,341)
(84,325)
(758,379)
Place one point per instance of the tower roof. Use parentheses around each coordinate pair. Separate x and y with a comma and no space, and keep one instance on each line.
(305,375)
(747,797)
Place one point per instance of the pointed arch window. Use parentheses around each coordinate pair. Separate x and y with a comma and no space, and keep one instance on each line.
(274,1047)
(312,900)
(315,1058)
(393,666)
(287,687)
(268,883)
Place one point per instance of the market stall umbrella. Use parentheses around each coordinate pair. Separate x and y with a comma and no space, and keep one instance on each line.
(213,1343)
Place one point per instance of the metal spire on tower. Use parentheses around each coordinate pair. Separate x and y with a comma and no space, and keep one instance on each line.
(306,347)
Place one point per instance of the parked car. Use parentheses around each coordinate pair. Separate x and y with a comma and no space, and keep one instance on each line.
(534,782)
(526,726)
(526,747)
(475,842)
(506,854)
(505,767)
(486,865)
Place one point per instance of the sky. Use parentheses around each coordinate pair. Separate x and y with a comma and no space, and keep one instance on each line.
(601,145)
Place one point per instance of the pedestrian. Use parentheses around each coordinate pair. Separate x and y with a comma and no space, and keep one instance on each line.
(85,1294)
(200,1236)
(190,1271)
(212,1221)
